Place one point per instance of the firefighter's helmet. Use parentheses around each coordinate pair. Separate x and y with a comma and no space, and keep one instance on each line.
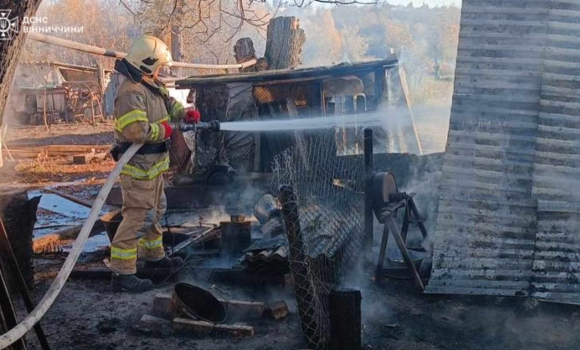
(148,53)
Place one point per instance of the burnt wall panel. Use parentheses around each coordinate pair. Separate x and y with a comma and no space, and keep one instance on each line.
(556,269)
(486,226)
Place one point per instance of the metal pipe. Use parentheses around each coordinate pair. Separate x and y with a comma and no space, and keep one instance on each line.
(26,325)
(368,164)
(212,125)
(52,40)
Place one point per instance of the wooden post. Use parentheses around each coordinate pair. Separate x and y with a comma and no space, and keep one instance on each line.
(303,287)
(8,254)
(8,317)
(10,49)
(345,319)
(284,43)
(368,163)
(19,216)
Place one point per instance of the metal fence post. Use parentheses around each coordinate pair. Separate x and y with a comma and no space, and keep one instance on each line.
(368,154)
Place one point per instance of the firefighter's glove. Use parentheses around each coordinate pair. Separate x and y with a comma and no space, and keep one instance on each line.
(192,116)
(168,129)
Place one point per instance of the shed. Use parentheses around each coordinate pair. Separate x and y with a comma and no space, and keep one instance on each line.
(344,89)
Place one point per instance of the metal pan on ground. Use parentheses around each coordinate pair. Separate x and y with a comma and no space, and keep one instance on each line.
(196,303)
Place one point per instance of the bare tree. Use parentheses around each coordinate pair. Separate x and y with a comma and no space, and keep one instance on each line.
(202,18)
(10,48)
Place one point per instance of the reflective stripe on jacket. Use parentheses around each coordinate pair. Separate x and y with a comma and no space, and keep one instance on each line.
(138,114)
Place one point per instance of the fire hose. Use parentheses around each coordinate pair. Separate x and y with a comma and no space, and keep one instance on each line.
(35,315)
(26,325)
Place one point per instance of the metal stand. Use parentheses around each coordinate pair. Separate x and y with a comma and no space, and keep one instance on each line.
(400,200)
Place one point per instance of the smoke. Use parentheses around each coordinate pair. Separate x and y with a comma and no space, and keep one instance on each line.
(215,215)
(424,181)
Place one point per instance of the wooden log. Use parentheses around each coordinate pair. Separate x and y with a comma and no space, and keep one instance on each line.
(155,325)
(244,50)
(345,319)
(19,216)
(206,328)
(284,43)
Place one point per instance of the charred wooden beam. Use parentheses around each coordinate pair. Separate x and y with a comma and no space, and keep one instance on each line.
(345,319)
(284,43)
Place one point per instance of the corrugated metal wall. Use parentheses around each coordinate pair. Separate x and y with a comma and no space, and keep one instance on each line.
(509,215)
(487,218)
(556,182)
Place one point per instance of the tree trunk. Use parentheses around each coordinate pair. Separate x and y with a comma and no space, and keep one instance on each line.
(244,51)
(177,39)
(284,43)
(10,49)
(176,46)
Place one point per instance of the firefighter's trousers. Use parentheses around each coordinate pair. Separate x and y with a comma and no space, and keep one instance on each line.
(139,234)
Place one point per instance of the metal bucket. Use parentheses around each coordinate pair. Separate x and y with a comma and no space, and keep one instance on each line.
(266,208)
(193,302)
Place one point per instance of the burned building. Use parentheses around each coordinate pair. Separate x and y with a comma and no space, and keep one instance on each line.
(51,92)
(346,90)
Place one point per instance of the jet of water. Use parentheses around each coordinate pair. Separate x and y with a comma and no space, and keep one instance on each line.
(325,122)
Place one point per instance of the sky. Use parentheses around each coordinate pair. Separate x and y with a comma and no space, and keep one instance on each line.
(428,2)
(418,2)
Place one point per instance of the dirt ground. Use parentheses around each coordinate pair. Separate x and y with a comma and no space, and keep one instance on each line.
(87,315)
(46,170)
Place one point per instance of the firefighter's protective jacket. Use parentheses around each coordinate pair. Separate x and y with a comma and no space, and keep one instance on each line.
(140,107)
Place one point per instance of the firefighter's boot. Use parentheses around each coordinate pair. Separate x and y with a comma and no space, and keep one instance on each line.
(165,263)
(130,284)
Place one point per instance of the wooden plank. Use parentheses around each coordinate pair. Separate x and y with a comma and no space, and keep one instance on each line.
(404,252)
(207,328)
(285,74)
(155,325)
(238,309)
(277,310)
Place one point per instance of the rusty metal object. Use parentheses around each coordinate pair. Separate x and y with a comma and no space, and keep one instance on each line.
(266,208)
(384,191)
(237,218)
(189,301)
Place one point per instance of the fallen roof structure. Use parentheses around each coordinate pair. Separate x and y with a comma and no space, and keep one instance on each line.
(288,75)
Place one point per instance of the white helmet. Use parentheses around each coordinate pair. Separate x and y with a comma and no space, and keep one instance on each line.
(147,53)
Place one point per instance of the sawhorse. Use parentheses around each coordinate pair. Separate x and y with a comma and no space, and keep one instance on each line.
(398,201)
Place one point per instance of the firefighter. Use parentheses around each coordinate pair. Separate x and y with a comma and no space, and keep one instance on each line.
(143,110)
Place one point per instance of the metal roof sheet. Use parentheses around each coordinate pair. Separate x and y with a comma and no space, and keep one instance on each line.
(485,237)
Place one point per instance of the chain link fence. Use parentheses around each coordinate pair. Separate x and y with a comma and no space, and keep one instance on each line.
(322,196)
